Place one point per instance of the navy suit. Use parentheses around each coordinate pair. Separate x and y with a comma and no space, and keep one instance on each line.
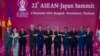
(66,43)
(7,42)
(81,42)
(40,42)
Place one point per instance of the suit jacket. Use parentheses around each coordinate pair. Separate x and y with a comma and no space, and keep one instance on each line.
(32,38)
(7,38)
(22,35)
(49,39)
(81,39)
(74,38)
(66,40)
(89,37)
(40,38)
(31,33)
(57,38)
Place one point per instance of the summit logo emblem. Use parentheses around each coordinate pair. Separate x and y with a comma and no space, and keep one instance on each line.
(22,11)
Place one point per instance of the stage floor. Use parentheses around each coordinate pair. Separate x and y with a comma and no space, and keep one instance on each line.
(2,51)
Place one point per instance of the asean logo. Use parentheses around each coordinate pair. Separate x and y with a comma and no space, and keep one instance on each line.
(22,11)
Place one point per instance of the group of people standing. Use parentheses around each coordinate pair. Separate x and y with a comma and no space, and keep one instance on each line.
(37,37)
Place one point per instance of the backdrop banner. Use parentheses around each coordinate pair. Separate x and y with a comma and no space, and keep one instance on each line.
(56,13)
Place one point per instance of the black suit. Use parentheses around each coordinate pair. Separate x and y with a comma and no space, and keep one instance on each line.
(73,34)
(48,41)
(89,43)
(32,42)
(57,43)
(22,43)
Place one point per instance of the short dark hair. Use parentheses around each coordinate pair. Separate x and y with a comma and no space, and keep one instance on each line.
(65,27)
(88,27)
(39,25)
(22,27)
(47,25)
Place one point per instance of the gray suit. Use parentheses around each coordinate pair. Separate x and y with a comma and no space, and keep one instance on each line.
(7,42)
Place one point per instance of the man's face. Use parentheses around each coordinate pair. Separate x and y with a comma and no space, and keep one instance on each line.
(65,29)
(81,28)
(40,27)
(8,29)
(74,28)
(48,27)
(22,29)
(58,29)
(88,29)
(31,26)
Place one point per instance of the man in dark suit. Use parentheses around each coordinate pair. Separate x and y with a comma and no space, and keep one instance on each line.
(7,41)
(66,41)
(74,35)
(32,40)
(89,42)
(22,42)
(48,40)
(40,40)
(81,40)
(57,42)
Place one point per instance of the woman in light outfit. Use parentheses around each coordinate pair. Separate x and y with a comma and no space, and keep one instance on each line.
(15,43)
